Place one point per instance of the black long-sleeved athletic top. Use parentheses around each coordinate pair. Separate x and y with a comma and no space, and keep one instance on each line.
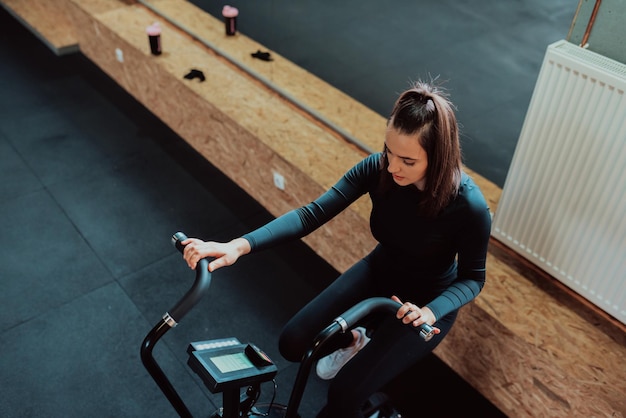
(441,259)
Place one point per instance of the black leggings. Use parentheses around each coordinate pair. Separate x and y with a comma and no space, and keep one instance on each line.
(394,346)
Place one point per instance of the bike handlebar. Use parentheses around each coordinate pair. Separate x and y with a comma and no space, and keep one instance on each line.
(349,318)
(197,290)
(343,323)
(170,320)
(201,284)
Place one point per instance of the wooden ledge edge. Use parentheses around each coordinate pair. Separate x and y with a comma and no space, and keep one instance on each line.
(65,44)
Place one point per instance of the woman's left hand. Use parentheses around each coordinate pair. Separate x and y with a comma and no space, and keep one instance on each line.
(410,313)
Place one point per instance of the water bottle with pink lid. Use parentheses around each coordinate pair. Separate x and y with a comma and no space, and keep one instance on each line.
(154,35)
(230,19)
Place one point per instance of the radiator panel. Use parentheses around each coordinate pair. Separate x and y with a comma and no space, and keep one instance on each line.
(563,205)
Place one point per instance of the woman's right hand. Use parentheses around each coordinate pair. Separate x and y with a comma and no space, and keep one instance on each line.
(225,253)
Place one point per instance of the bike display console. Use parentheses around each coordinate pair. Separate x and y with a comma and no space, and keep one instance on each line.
(227,364)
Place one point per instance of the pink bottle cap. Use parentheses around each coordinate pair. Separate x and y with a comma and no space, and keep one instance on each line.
(154,29)
(229,11)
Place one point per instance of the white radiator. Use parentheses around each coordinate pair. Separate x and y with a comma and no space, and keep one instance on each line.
(563,204)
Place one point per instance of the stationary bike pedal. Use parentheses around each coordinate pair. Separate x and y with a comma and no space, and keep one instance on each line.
(273,410)
(385,414)
(379,406)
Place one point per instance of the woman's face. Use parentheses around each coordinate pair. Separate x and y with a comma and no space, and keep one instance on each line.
(407,159)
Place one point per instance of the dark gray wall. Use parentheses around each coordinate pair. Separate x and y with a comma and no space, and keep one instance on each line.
(608,34)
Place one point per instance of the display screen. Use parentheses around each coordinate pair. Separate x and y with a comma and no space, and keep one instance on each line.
(232,362)
(224,365)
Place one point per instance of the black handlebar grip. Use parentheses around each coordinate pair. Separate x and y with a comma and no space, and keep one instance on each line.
(378,304)
(177,238)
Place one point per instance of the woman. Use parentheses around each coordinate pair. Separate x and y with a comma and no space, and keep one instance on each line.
(432,225)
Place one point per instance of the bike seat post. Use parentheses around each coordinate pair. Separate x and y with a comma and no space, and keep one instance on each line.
(230,399)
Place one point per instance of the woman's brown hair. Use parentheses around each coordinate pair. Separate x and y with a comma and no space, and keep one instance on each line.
(425,110)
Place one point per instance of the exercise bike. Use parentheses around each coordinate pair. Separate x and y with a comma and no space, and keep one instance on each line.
(227,366)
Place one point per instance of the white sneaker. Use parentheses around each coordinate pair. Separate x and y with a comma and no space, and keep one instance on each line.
(327,367)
